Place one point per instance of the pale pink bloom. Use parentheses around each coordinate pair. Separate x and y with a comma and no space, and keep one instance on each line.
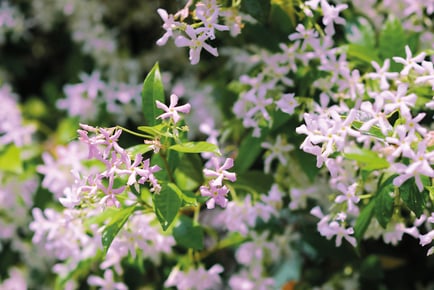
(220,173)
(196,42)
(428,76)
(287,103)
(209,21)
(420,164)
(402,142)
(377,114)
(279,150)
(382,74)
(399,100)
(350,196)
(394,233)
(169,25)
(410,62)
(331,15)
(352,83)
(106,283)
(217,195)
(173,111)
(303,34)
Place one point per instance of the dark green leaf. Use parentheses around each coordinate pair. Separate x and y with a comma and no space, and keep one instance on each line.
(152,91)
(384,202)
(257,180)
(258,9)
(113,227)
(412,197)
(392,42)
(191,165)
(188,235)
(249,151)
(166,204)
(363,220)
(196,147)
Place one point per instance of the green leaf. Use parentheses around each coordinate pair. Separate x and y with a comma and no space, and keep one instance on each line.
(392,42)
(362,53)
(10,159)
(166,205)
(113,227)
(412,197)
(363,220)
(384,202)
(189,199)
(188,235)
(155,131)
(196,147)
(255,179)
(249,151)
(374,131)
(152,91)
(369,159)
(258,9)
(139,149)
(191,165)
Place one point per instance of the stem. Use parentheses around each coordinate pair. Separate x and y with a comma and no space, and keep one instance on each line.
(134,133)
(166,164)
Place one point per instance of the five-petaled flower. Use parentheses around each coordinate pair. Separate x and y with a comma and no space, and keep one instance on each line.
(172,111)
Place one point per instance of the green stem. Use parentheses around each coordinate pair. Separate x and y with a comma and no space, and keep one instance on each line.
(134,133)
(166,164)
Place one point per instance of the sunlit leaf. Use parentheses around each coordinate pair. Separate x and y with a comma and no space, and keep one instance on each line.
(10,159)
(196,147)
(113,227)
(369,159)
(152,91)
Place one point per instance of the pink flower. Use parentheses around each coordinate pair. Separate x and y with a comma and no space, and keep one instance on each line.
(172,111)
(410,62)
(196,43)
(107,282)
(217,194)
(220,172)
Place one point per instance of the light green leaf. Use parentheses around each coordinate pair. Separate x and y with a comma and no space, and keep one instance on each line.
(369,159)
(362,53)
(113,227)
(196,147)
(166,204)
(188,235)
(155,131)
(10,159)
(189,199)
(152,91)
(139,149)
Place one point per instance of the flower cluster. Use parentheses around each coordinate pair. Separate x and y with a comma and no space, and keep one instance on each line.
(85,99)
(195,36)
